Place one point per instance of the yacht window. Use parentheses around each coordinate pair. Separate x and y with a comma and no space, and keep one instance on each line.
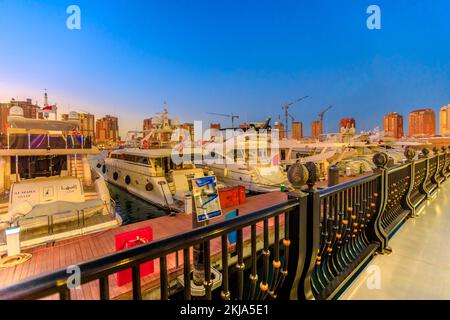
(18,141)
(57,142)
(3,141)
(39,166)
(40,141)
(158,163)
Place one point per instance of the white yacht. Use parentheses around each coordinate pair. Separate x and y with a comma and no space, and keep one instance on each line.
(149,174)
(46,187)
(246,163)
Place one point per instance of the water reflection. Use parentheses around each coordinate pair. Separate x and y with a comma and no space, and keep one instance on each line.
(132,209)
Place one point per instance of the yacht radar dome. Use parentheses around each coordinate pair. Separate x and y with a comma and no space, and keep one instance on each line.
(16,111)
(73,115)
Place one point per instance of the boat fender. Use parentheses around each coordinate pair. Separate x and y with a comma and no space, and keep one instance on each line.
(149,186)
(102,190)
(225,172)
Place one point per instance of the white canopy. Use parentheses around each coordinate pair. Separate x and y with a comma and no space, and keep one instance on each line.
(50,125)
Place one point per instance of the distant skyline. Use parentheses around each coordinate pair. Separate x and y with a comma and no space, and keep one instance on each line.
(245,57)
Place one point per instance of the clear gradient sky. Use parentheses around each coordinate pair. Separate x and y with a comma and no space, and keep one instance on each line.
(245,57)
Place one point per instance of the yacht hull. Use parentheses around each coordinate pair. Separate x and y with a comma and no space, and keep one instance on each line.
(130,177)
(237,176)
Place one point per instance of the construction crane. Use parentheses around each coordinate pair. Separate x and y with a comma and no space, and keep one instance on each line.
(231,115)
(321,114)
(286,111)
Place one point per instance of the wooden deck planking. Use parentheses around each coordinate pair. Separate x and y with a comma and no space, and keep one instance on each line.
(83,248)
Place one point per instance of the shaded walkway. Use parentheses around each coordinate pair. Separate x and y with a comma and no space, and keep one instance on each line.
(419,267)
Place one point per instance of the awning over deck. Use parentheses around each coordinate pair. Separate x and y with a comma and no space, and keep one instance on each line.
(50,125)
(54,208)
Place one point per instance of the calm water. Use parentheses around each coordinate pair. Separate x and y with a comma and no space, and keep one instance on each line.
(132,209)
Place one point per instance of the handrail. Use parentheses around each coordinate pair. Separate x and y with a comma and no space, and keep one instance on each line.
(86,141)
(51,283)
(50,220)
(330,190)
(329,235)
(398,167)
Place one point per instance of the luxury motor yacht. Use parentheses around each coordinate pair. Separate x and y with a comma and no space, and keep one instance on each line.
(351,155)
(244,160)
(149,174)
(46,185)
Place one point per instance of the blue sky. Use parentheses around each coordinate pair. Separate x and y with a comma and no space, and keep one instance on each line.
(246,57)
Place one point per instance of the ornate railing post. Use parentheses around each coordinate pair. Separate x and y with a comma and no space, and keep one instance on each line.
(434,178)
(410,154)
(425,154)
(380,159)
(298,244)
(422,187)
(308,224)
(447,164)
(444,165)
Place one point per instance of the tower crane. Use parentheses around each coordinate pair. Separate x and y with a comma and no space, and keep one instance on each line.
(285,108)
(231,115)
(321,114)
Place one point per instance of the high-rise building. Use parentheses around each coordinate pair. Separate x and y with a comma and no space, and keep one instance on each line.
(107,129)
(347,123)
(393,125)
(422,123)
(316,129)
(215,126)
(30,110)
(444,120)
(280,127)
(297,130)
(87,123)
(148,124)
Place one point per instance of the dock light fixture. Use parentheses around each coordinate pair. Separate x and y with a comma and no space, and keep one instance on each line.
(13,241)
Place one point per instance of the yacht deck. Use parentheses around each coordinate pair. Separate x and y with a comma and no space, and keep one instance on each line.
(76,250)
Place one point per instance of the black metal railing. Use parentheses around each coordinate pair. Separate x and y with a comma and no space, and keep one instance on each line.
(418,193)
(272,277)
(346,215)
(311,246)
(396,207)
(25,141)
(431,184)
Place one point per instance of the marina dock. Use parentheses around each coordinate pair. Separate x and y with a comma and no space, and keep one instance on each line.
(73,251)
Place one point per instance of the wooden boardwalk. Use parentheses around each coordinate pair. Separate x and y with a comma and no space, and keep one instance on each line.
(80,249)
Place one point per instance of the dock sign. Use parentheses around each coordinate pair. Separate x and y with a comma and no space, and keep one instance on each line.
(206,198)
